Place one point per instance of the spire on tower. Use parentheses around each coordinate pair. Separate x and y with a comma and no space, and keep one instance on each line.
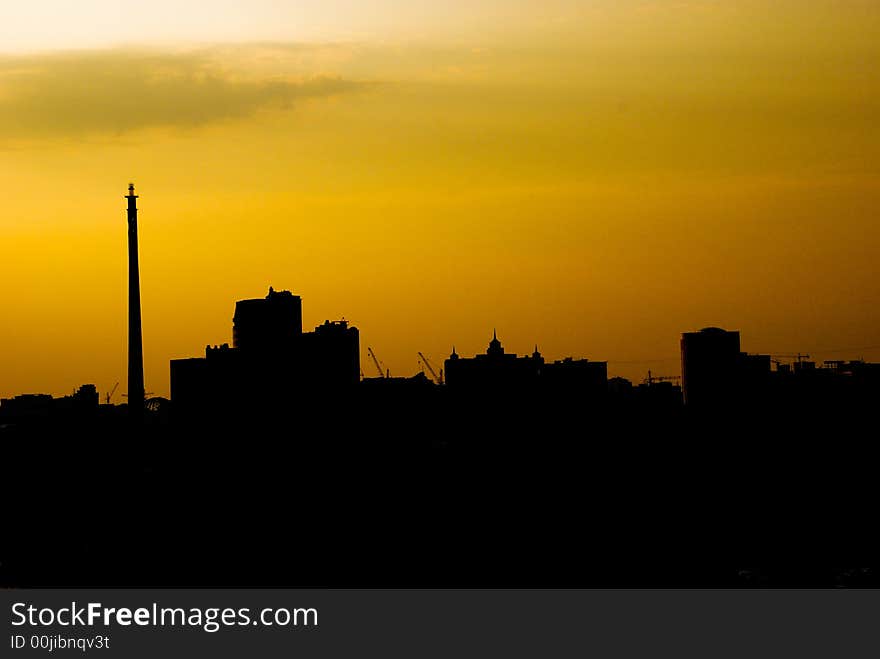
(495,345)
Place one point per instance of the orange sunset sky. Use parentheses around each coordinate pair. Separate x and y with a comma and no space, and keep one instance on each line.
(592,176)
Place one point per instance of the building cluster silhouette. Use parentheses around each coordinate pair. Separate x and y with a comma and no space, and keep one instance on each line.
(276,462)
(273,366)
(271,361)
(717,374)
(82,403)
(500,372)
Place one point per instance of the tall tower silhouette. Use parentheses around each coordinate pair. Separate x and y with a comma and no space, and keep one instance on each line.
(135,341)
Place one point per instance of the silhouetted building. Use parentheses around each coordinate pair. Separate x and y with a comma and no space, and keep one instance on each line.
(86,396)
(578,377)
(272,364)
(270,323)
(620,388)
(494,371)
(330,355)
(26,406)
(709,366)
(715,373)
(754,379)
(43,407)
(653,395)
(836,384)
(499,372)
(390,387)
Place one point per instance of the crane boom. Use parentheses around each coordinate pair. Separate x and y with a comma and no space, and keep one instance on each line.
(376,362)
(437,378)
(799,356)
(112,391)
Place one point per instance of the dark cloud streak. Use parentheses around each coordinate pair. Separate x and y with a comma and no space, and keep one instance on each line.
(112,92)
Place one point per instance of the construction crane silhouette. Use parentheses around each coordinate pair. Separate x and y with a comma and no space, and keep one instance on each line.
(651,379)
(800,357)
(437,378)
(110,395)
(383,373)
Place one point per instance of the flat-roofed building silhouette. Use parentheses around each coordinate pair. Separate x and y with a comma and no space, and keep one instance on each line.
(270,323)
(716,373)
(272,363)
(571,376)
(710,366)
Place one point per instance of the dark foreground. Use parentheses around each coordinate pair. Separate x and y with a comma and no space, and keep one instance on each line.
(486,495)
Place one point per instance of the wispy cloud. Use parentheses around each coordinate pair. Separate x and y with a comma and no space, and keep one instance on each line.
(117,91)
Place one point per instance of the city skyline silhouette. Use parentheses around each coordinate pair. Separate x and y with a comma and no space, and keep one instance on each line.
(596,186)
(477,293)
(669,367)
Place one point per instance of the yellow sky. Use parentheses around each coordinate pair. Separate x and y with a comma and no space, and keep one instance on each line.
(596,185)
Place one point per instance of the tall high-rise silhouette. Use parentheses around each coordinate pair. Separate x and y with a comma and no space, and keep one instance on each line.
(135,341)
